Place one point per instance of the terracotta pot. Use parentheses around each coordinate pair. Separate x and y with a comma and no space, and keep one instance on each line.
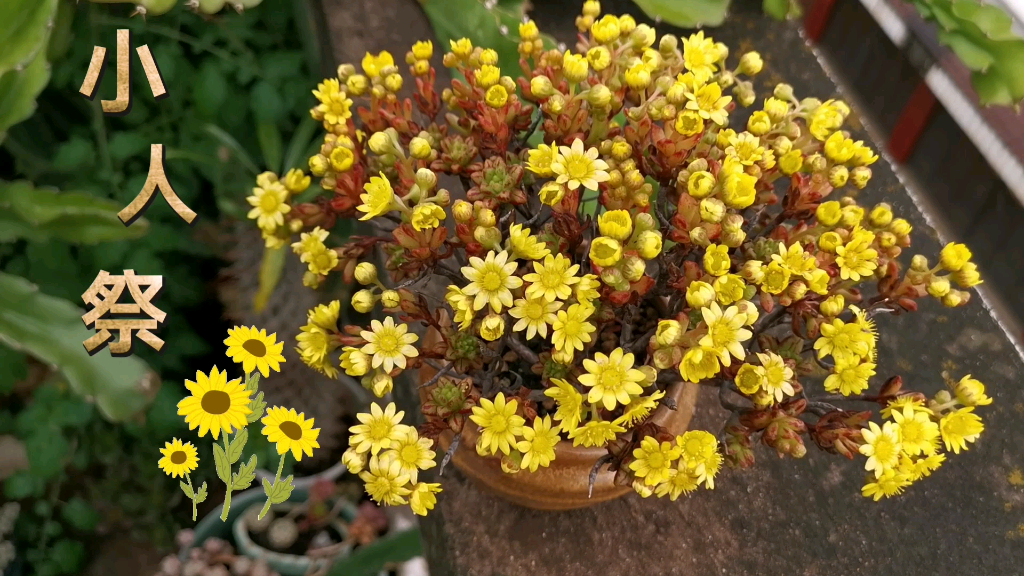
(564,484)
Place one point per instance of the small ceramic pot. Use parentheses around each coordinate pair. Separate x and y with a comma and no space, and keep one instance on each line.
(288,564)
(563,485)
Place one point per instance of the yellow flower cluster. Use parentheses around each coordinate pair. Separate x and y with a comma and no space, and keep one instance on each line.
(852,347)
(269,203)
(906,447)
(388,457)
(624,244)
(673,469)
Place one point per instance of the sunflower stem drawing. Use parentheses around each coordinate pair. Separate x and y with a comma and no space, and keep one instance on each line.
(178,460)
(291,432)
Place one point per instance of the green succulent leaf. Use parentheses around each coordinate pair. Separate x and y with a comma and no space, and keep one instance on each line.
(19,89)
(24,28)
(51,329)
(691,13)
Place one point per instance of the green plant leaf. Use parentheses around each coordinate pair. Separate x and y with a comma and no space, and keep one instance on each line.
(15,369)
(186,490)
(777,9)
(972,55)
(24,28)
(18,91)
(300,141)
(269,138)
(51,329)
(237,445)
(228,141)
(991,20)
(209,90)
(69,555)
(369,560)
(271,268)
(245,475)
(23,484)
(455,19)
(78,217)
(688,13)
(126,144)
(201,494)
(46,449)
(279,491)
(80,514)
(220,460)
(266,104)
(257,405)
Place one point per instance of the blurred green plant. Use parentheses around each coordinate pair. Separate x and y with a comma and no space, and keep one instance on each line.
(981,37)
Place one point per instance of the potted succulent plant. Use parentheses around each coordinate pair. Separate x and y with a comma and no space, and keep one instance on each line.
(626,237)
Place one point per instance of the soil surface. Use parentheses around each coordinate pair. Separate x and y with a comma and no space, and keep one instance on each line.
(782,517)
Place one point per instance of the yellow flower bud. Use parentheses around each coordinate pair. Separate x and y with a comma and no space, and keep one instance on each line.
(733,238)
(699,294)
(638,76)
(732,223)
(617,224)
(776,109)
(390,299)
(599,96)
(954,256)
(599,58)
(496,96)
(832,306)
(938,286)
(341,160)
(738,190)
(749,311)
(818,280)
(592,8)
(489,56)
(574,67)
(955,298)
(642,489)
(393,82)
(751,63)
(716,260)
(381,384)
(971,392)
(829,241)
(829,213)
(797,290)
(689,123)
(461,47)
(528,30)
(492,327)
(488,237)
(650,374)
(357,84)
(462,211)
(776,278)
(485,217)
(621,150)
(649,244)
(626,24)
(838,176)
(729,289)
(355,461)
(366,273)
(744,93)
(613,277)
(712,210)
(699,236)
(606,30)
(860,176)
(296,181)
(791,162)
(752,271)
(605,251)
(633,268)
(759,123)
(643,36)
(725,136)
(551,193)
(487,76)
(668,333)
(423,50)
(900,227)
(967,277)
(380,143)
(749,379)
(540,86)
(816,162)
(555,104)
(363,301)
(783,92)
(426,179)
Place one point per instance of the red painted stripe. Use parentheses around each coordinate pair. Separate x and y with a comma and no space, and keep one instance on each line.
(912,122)
(817,18)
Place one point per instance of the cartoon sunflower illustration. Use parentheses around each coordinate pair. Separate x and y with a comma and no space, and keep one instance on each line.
(178,459)
(215,403)
(254,349)
(290,431)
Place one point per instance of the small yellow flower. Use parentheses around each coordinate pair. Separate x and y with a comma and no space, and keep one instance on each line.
(178,459)
(606,30)
(638,76)
(412,453)
(310,242)
(652,461)
(843,341)
(699,363)
(427,216)
(372,65)
(377,429)
(971,392)
(759,123)
(576,166)
(462,305)
(882,447)
(716,260)
(595,433)
(489,56)
(699,452)
(491,281)
(534,315)
(538,444)
(500,423)
(551,193)
(791,162)
(960,427)
(849,378)
(605,251)
(321,261)
(492,327)
(839,148)
(354,361)
(953,256)
(689,123)
(552,279)
(254,349)
(528,30)
(680,481)
(422,499)
(729,289)
(296,181)
(540,159)
(587,289)
(746,148)
(574,67)
(335,105)
(599,58)
(699,56)
(888,484)
(701,184)
(649,244)
(725,332)
(778,377)
(750,379)
(379,198)
(290,431)
(738,190)
(388,344)
(709,103)
(496,96)
(269,206)
(639,409)
(385,482)
(569,402)
(461,47)
(898,404)
(571,329)
(856,259)
(524,245)
(617,224)
(488,76)
(423,50)
(919,434)
(611,379)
